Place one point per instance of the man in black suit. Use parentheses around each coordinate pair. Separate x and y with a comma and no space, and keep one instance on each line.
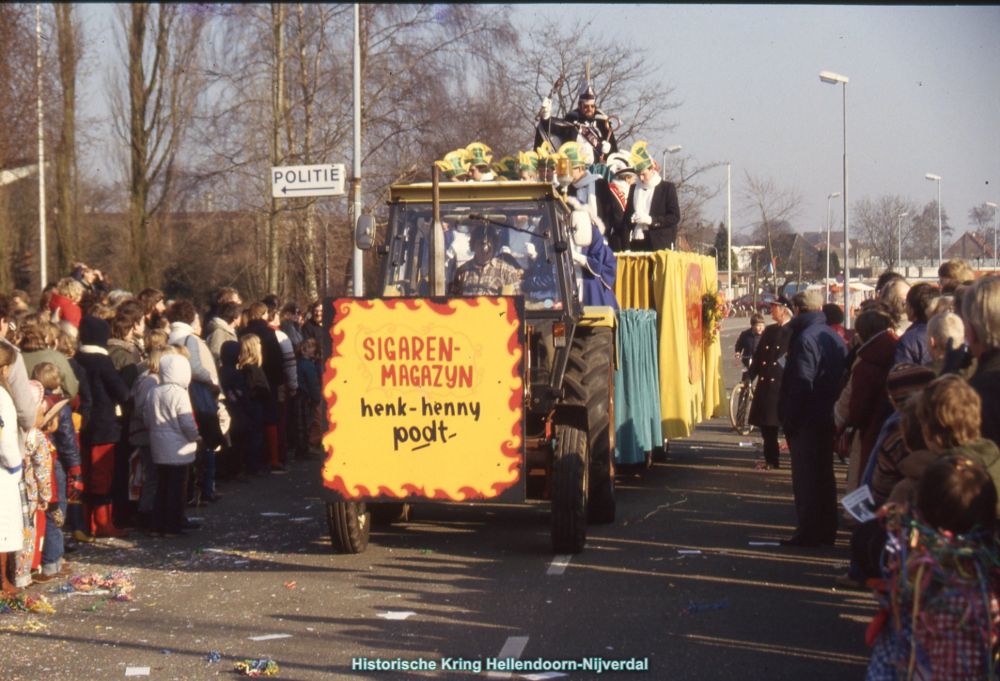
(652,212)
(769,365)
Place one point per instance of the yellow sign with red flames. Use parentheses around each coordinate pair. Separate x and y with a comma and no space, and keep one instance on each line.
(424,398)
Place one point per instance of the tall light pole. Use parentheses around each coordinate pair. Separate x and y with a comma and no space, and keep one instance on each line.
(357,264)
(826,284)
(937,178)
(996,223)
(42,255)
(899,239)
(669,150)
(827,77)
(729,228)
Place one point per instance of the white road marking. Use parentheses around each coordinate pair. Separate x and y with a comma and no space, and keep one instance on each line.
(398,615)
(512,648)
(559,564)
(269,637)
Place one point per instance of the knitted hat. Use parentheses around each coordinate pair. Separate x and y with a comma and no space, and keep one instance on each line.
(527,161)
(640,157)
(479,154)
(506,168)
(94,331)
(574,152)
(455,164)
(907,378)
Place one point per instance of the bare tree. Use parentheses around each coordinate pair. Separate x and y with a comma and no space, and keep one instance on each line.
(878,225)
(628,83)
(923,241)
(983,220)
(67,218)
(161,86)
(772,208)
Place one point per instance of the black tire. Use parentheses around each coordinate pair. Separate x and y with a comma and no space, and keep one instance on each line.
(389,512)
(590,383)
(569,490)
(350,524)
(739,408)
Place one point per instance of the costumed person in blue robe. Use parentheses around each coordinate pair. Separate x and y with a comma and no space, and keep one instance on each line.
(597,272)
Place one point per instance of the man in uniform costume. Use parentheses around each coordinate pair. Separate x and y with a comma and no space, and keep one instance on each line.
(588,191)
(480,157)
(586,125)
(652,213)
(455,166)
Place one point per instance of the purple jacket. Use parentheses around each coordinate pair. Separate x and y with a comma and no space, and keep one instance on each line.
(912,346)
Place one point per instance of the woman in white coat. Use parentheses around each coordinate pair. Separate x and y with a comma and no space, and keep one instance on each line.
(11,463)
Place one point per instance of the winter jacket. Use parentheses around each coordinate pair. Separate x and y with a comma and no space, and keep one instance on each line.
(11,473)
(912,346)
(747,343)
(768,366)
(274,360)
(64,439)
(108,393)
(869,406)
(986,382)
(169,416)
(70,386)
(67,309)
(315,331)
(916,463)
(234,387)
(812,376)
(309,379)
(217,332)
(138,430)
(288,360)
(293,331)
(24,402)
(204,372)
(126,357)
(85,404)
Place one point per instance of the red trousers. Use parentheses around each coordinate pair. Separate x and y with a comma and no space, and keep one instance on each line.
(102,469)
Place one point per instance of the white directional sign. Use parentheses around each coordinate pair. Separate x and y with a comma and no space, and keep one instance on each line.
(289,182)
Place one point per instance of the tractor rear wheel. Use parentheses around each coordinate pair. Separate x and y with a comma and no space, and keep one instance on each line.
(589,383)
(350,524)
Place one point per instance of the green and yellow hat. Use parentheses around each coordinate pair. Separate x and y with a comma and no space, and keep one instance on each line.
(455,164)
(527,161)
(506,168)
(640,157)
(574,152)
(479,154)
(546,156)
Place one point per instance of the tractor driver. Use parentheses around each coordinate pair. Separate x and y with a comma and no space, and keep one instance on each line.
(486,274)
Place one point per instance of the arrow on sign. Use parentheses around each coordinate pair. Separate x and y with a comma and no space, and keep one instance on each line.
(285,190)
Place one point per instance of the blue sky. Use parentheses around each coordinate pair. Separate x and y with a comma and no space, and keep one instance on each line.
(923,97)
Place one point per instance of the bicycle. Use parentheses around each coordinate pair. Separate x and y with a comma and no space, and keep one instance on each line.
(739,405)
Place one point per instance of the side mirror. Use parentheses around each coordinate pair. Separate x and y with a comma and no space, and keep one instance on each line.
(583,233)
(364,235)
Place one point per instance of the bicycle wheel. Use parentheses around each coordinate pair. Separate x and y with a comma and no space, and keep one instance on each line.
(734,405)
(743,412)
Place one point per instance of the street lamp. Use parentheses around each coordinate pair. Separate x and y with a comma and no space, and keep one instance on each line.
(937,178)
(833,78)
(669,150)
(899,239)
(826,284)
(995,216)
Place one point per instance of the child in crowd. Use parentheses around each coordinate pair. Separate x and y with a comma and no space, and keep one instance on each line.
(249,363)
(308,397)
(81,407)
(746,344)
(11,477)
(38,489)
(139,431)
(940,615)
(173,440)
(65,463)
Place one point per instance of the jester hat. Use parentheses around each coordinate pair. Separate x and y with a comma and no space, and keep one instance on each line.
(455,164)
(479,154)
(640,157)
(506,168)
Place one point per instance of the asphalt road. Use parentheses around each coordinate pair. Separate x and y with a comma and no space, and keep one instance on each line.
(467,582)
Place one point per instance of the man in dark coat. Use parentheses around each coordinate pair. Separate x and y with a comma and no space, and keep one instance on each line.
(982,329)
(652,213)
(809,389)
(586,124)
(768,364)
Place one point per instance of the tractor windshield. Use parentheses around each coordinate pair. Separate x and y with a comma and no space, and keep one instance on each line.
(491,248)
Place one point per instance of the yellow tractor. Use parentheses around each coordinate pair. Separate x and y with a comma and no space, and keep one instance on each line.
(475,373)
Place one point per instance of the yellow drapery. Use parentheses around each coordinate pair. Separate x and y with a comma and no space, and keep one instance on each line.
(691,384)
